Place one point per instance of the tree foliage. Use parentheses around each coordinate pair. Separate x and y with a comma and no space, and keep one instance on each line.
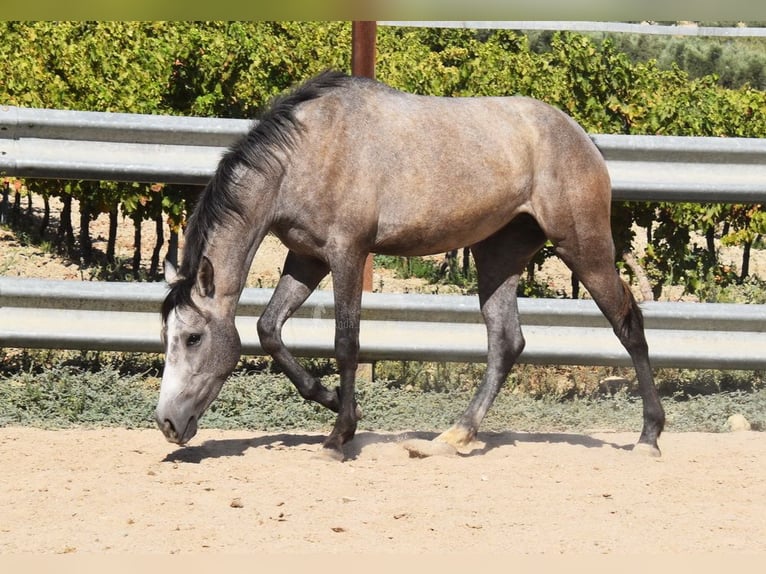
(232,69)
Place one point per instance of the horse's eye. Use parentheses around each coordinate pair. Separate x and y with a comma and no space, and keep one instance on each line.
(193,340)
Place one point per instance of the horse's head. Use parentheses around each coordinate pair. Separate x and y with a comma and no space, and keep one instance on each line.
(202,348)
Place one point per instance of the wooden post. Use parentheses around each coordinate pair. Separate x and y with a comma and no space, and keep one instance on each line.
(363,39)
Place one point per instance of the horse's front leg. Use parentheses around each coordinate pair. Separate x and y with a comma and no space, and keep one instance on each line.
(300,277)
(347,281)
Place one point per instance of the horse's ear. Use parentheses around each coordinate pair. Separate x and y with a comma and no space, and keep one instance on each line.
(170,272)
(205,284)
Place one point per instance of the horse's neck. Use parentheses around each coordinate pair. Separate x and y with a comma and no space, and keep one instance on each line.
(231,258)
(232,244)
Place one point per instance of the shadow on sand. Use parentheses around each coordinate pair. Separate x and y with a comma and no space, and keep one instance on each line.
(485,442)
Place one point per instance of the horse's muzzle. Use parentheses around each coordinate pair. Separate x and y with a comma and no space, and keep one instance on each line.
(175,435)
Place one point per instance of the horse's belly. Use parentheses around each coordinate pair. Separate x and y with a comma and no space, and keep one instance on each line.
(425,232)
(452,201)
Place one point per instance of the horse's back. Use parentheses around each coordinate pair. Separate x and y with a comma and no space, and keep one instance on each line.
(412,164)
(376,124)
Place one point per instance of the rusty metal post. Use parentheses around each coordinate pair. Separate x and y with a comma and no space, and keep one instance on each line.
(363,40)
(363,37)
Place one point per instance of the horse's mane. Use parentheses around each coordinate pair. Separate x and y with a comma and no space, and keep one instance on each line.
(259,150)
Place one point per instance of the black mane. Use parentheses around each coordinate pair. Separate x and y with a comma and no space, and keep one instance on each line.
(259,150)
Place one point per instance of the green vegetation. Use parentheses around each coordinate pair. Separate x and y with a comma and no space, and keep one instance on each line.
(610,84)
(408,267)
(58,390)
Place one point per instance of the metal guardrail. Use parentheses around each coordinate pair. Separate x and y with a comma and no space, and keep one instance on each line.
(130,147)
(113,146)
(125,317)
(586,26)
(677,168)
(169,149)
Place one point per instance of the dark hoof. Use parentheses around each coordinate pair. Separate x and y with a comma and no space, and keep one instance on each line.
(331,454)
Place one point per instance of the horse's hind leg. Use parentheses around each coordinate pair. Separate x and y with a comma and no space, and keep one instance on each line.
(347,266)
(500,260)
(592,259)
(300,277)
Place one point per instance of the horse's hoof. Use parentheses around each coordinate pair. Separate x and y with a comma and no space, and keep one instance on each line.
(456,437)
(421,448)
(645,449)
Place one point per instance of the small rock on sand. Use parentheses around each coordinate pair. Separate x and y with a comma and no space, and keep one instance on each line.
(737,423)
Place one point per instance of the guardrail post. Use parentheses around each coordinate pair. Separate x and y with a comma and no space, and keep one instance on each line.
(363,41)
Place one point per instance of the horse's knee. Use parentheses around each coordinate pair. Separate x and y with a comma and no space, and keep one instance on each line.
(507,348)
(268,334)
(516,345)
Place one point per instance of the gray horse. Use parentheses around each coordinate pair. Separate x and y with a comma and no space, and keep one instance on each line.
(342,167)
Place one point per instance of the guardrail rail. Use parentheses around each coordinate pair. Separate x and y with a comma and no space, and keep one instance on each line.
(174,149)
(125,317)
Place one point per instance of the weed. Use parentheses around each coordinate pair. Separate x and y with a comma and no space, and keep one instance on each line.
(750,290)
(408,267)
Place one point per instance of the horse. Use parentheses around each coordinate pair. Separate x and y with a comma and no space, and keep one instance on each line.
(340,167)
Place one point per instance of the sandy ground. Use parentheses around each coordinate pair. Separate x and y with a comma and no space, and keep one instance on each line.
(117,490)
